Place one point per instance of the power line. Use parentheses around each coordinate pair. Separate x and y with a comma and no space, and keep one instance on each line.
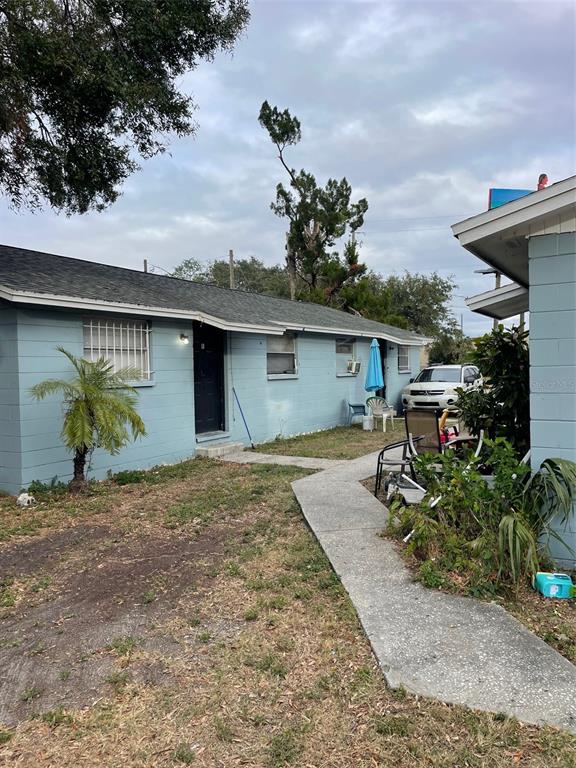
(413,218)
(416,229)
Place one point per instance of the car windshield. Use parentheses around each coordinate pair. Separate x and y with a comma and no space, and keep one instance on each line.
(439,374)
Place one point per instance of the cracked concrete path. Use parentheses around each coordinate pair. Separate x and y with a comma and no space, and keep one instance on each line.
(456,649)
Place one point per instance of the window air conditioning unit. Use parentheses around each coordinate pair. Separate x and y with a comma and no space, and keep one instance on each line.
(354,366)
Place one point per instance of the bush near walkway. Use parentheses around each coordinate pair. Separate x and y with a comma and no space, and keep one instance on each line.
(245,652)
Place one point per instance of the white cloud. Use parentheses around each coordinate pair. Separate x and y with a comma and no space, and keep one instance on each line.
(485,107)
(311,35)
(147,234)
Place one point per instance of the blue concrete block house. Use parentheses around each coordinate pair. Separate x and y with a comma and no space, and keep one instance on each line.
(195,345)
(532,241)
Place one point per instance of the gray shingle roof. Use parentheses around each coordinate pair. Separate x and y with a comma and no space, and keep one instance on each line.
(45,273)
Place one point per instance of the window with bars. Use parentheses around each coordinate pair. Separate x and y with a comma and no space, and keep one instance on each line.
(281,355)
(125,343)
(403,359)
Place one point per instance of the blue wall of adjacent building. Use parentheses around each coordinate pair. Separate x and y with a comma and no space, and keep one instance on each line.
(315,398)
(552,262)
(10,452)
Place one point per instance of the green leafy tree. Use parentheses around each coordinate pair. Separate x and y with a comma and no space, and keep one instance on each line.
(369,297)
(319,217)
(84,84)
(250,275)
(503,407)
(99,409)
(191,269)
(424,300)
(451,346)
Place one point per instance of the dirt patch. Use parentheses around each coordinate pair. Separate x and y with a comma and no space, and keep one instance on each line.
(55,646)
(28,557)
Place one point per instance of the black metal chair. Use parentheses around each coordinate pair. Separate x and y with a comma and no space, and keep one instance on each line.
(399,464)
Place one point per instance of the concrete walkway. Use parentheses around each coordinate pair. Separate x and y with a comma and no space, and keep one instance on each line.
(455,649)
(306,462)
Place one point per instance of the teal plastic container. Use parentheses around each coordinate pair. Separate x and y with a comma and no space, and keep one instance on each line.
(558,585)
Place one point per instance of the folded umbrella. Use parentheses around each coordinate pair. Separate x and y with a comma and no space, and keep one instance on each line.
(374,376)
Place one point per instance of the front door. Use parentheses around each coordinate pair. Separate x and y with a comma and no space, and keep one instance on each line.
(383,351)
(208,378)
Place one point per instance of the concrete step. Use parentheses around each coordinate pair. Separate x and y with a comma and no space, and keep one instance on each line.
(219,449)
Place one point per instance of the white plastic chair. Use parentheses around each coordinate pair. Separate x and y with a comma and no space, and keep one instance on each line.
(381,410)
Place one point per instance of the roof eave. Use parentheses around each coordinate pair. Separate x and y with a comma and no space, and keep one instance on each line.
(520,211)
(414,341)
(277,328)
(484,235)
(500,303)
(91,305)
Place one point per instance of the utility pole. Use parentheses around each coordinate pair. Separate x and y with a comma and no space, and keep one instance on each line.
(291,265)
(498,282)
(231,263)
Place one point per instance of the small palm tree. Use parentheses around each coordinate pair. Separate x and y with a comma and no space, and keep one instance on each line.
(100,409)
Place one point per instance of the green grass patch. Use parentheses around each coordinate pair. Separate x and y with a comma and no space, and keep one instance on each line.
(29,694)
(118,679)
(393,725)
(183,755)
(56,717)
(269,663)
(285,748)
(123,646)
(338,443)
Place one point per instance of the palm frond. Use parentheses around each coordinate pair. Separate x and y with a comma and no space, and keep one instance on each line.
(101,406)
(552,489)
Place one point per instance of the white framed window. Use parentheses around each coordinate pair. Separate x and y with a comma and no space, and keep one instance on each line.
(345,348)
(125,343)
(403,358)
(281,355)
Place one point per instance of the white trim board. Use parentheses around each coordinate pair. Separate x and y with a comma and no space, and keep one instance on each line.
(500,303)
(277,328)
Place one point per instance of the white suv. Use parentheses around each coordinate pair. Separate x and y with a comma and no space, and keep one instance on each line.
(435,386)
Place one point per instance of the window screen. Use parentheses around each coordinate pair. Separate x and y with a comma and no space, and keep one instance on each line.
(403,359)
(281,354)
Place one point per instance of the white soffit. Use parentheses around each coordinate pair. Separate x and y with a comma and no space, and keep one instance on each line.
(500,236)
(500,303)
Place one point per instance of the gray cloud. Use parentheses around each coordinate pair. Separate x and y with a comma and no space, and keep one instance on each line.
(422,105)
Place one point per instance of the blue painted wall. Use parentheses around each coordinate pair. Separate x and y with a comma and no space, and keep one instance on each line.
(167,406)
(397,380)
(316,398)
(553,361)
(10,475)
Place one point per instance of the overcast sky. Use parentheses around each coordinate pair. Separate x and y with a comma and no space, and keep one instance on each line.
(422,105)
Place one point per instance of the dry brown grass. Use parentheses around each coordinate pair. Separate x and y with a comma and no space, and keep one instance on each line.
(267,665)
(338,443)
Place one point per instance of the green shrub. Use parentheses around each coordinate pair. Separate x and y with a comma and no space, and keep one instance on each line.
(502,408)
(130,477)
(475,537)
(55,487)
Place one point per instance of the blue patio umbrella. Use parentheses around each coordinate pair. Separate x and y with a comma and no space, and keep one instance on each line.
(374,377)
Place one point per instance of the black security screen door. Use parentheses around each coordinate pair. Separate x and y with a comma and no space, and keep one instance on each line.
(208,378)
